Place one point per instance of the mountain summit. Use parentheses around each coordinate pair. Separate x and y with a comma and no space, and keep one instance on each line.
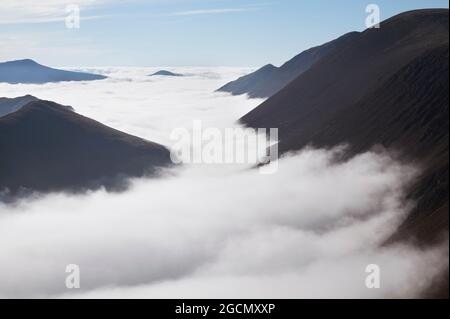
(165,73)
(30,72)
(8,106)
(45,147)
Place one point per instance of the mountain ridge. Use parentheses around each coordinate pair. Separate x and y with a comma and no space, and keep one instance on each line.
(46,147)
(398,101)
(166,73)
(388,90)
(270,79)
(28,71)
(11,105)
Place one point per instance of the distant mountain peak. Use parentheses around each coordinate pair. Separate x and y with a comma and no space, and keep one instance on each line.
(270,79)
(165,73)
(23,62)
(26,61)
(11,105)
(28,71)
(269,66)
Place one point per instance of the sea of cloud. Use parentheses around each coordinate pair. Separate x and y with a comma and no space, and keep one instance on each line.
(211,231)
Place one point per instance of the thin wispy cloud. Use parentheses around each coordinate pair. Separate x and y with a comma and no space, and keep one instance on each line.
(35,45)
(50,11)
(210,11)
(246,8)
(50,19)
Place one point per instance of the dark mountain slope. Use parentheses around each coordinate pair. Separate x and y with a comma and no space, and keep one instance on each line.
(8,105)
(46,147)
(409,113)
(256,84)
(390,88)
(30,72)
(268,80)
(349,73)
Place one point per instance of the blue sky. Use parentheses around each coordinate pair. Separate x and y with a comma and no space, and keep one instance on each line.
(181,32)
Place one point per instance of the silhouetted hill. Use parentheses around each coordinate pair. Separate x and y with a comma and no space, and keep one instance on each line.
(47,147)
(8,106)
(387,87)
(254,84)
(30,72)
(268,80)
(165,73)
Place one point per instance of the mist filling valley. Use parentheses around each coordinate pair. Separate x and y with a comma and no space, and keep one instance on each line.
(211,231)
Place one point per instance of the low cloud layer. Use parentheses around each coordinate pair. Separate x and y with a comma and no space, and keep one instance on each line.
(309,230)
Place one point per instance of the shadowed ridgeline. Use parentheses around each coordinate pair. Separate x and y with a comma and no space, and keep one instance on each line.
(47,147)
(270,79)
(384,87)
